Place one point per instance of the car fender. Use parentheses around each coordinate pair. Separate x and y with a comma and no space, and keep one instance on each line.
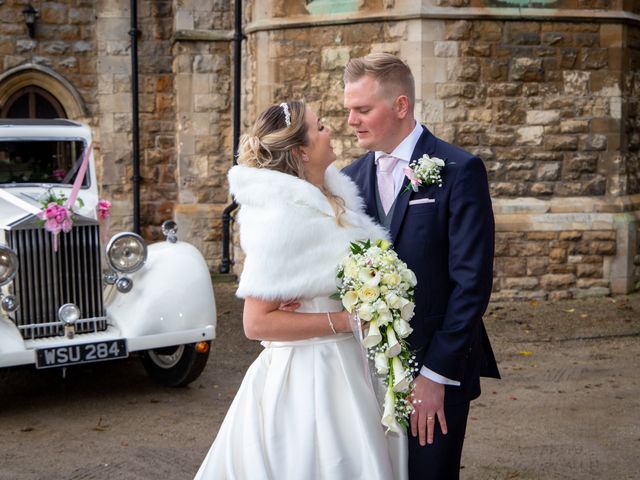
(10,338)
(171,293)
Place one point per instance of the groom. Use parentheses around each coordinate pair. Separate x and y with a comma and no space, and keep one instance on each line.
(445,235)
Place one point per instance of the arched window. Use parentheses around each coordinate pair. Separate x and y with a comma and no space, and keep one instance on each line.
(32,102)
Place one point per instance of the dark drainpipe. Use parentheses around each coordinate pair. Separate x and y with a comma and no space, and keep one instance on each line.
(135,116)
(225,265)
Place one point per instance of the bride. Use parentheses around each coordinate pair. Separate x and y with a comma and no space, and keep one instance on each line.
(305,409)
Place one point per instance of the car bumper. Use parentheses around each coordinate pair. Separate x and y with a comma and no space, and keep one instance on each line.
(27,355)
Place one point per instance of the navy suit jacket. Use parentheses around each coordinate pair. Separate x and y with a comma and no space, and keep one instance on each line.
(449,244)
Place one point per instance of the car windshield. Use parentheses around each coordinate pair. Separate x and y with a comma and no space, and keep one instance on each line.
(40,161)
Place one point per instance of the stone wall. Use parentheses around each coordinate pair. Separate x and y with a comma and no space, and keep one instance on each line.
(550,105)
(158,189)
(202,56)
(65,42)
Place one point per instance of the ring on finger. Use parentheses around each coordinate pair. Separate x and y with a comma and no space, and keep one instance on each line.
(429,417)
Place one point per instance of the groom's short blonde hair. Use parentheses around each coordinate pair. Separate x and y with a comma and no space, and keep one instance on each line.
(393,75)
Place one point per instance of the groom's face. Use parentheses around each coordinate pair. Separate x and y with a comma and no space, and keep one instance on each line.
(371,114)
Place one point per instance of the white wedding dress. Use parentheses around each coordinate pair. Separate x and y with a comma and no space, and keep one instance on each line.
(305,411)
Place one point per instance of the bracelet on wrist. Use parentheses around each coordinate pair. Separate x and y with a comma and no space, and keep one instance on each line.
(333,329)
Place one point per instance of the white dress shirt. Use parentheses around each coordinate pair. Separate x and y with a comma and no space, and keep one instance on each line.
(403,152)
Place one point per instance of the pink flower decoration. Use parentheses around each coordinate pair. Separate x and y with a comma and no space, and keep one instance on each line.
(412,176)
(104,209)
(57,218)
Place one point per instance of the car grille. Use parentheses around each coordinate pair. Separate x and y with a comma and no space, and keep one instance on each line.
(47,279)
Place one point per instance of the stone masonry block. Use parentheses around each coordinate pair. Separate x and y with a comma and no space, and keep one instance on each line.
(530,135)
(510,267)
(335,57)
(549,171)
(571,235)
(557,281)
(602,247)
(574,126)
(446,48)
(542,117)
(537,266)
(524,283)
(589,270)
(576,83)
(561,142)
(526,69)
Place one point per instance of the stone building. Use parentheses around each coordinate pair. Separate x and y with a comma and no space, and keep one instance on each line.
(544,91)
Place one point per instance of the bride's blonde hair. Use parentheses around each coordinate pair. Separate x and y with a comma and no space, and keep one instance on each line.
(272,144)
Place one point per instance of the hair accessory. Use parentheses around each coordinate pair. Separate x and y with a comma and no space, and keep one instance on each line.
(287,113)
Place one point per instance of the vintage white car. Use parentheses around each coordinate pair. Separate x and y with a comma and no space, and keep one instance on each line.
(70,300)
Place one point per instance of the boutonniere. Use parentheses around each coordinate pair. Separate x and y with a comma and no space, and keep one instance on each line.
(424,171)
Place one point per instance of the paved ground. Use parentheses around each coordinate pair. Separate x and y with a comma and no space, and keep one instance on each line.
(568,406)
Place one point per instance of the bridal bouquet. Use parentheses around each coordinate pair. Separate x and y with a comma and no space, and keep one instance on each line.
(377,287)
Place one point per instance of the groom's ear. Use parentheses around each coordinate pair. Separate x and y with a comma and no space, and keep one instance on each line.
(402,106)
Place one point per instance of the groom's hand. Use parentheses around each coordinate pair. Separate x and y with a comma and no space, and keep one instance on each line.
(428,404)
(289,306)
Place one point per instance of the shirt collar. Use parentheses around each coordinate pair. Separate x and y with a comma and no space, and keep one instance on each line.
(405,149)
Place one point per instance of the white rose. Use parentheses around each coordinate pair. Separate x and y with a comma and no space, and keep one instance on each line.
(382,363)
(438,161)
(402,328)
(373,335)
(393,300)
(385,318)
(365,312)
(407,311)
(391,279)
(349,300)
(393,346)
(409,277)
(368,294)
(401,381)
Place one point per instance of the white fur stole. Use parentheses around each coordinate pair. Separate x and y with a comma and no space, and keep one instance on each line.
(289,233)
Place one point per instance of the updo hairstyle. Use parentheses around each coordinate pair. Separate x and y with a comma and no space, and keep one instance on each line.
(270,142)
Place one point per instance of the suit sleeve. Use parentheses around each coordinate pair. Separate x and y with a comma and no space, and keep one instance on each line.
(471,247)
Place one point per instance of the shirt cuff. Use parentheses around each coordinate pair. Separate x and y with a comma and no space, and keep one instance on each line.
(431,375)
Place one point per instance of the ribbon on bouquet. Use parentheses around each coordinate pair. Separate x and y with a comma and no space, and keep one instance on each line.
(356,328)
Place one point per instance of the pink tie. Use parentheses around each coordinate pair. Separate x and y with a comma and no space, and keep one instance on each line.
(386,183)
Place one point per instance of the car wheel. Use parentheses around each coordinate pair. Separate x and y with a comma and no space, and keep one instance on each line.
(175,366)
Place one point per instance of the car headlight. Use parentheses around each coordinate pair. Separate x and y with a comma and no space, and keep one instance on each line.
(68,313)
(126,252)
(8,264)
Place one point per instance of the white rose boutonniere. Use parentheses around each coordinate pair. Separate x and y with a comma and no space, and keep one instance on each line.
(424,171)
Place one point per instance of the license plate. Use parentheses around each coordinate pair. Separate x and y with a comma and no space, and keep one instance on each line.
(81,353)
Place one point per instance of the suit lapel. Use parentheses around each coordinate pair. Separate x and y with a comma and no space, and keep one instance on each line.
(426,144)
